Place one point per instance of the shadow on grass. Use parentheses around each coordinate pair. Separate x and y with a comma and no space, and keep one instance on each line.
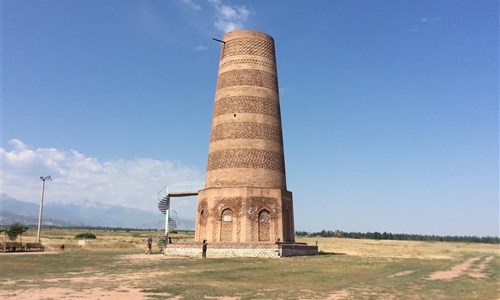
(329,253)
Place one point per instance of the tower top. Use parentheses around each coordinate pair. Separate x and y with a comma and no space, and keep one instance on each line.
(249,34)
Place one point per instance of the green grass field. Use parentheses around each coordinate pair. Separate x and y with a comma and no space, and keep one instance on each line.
(115,267)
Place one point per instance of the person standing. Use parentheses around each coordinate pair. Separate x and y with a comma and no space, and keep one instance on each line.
(204,249)
(149,245)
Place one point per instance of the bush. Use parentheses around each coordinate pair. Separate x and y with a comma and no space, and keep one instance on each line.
(85,236)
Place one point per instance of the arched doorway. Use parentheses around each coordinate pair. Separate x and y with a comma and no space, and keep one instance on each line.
(226,227)
(264,226)
(203,225)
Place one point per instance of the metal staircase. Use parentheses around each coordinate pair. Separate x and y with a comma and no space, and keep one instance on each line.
(173,191)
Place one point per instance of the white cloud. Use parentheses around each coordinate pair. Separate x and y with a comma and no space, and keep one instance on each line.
(21,156)
(425,22)
(430,20)
(17,144)
(191,4)
(200,48)
(229,17)
(77,178)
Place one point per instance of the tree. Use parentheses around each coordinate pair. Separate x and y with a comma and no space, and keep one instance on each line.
(15,230)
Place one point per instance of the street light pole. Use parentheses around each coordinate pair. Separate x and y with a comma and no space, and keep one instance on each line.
(41,207)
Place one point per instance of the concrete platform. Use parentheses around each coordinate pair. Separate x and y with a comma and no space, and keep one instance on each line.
(268,250)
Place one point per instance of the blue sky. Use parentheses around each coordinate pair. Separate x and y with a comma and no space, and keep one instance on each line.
(390,109)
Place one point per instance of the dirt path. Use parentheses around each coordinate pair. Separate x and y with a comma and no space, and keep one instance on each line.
(473,267)
(127,289)
(67,293)
(403,273)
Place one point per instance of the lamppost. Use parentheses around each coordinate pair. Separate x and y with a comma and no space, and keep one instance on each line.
(41,207)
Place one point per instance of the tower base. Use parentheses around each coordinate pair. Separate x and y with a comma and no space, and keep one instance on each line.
(244,215)
(264,250)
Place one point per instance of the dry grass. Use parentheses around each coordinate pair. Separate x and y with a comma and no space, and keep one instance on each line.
(114,267)
(106,239)
(400,249)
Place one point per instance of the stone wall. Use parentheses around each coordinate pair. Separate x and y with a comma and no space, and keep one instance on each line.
(263,250)
(195,252)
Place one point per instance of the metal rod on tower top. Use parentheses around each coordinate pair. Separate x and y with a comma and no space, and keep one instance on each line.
(218,40)
(41,207)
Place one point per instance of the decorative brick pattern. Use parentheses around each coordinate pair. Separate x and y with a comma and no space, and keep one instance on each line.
(257,204)
(202,218)
(247,104)
(264,226)
(248,47)
(246,158)
(202,211)
(248,77)
(249,62)
(246,130)
(221,205)
(226,231)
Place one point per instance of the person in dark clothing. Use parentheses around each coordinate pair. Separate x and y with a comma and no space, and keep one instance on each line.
(149,245)
(204,249)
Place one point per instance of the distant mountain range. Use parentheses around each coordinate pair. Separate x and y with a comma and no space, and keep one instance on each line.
(89,213)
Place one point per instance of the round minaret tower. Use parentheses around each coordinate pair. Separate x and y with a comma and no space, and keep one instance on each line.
(245,197)
(246,145)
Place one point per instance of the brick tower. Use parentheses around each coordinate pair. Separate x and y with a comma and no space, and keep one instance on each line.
(245,198)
